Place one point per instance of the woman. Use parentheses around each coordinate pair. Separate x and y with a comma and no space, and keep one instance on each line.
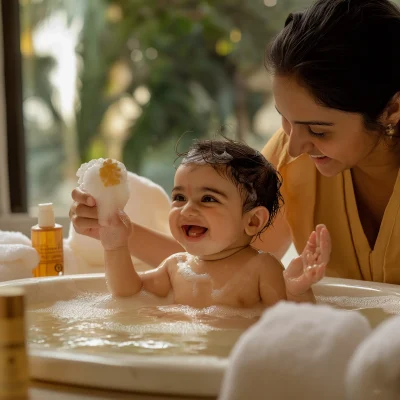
(336,86)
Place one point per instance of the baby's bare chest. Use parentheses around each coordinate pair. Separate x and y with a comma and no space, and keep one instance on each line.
(234,288)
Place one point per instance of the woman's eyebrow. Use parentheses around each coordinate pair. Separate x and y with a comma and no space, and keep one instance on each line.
(323,123)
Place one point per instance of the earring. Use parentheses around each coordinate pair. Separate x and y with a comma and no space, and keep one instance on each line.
(390,130)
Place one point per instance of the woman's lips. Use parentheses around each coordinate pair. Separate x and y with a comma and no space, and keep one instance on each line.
(320,160)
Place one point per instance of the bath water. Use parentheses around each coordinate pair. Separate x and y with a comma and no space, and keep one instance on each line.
(95,322)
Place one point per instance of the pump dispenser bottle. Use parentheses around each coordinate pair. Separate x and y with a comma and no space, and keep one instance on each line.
(14,373)
(47,239)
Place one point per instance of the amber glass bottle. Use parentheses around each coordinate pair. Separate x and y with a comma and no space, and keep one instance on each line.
(47,239)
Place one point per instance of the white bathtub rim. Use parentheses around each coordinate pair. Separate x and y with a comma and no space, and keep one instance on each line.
(340,282)
(193,375)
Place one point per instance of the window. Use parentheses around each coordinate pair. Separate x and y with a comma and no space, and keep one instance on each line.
(126,79)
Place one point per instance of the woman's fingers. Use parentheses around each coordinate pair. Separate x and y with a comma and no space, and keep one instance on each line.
(82,211)
(82,197)
(83,224)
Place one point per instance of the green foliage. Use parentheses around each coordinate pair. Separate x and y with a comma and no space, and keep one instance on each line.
(202,53)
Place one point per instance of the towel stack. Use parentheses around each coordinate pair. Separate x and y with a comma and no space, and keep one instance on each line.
(295,351)
(374,371)
(17,256)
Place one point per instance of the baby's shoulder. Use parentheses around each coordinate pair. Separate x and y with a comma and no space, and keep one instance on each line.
(177,259)
(267,261)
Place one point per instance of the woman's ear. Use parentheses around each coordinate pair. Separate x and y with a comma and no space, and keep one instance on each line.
(255,220)
(391,114)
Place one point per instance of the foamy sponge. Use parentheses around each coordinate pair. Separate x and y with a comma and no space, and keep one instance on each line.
(106,181)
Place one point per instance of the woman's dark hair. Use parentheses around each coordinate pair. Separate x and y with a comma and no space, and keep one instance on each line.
(346,52)
(257,180)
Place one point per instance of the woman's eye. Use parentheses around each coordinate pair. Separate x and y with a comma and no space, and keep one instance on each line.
(317,134)
(208,199)
(178,197)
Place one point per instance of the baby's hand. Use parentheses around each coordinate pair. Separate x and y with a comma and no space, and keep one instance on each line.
(310,267)
(116,234)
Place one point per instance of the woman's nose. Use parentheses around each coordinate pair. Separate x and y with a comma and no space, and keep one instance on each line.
(299,143)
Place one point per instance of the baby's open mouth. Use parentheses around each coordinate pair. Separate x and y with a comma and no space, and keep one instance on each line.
(194,231)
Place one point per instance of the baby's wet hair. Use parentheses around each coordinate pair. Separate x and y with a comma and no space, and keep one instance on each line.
(256,178)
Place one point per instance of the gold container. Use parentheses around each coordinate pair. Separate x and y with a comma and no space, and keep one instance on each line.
(14,374)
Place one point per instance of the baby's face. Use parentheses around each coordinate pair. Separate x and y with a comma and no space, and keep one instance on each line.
(206,213)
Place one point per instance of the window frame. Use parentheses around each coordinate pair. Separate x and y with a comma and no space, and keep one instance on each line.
(13,177)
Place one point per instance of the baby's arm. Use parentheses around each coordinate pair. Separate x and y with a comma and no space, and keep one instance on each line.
(122,279)
(271,283)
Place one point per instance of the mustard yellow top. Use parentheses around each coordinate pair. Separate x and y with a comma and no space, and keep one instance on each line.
(311,199)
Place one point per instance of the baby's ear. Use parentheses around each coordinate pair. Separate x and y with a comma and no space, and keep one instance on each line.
(255,220)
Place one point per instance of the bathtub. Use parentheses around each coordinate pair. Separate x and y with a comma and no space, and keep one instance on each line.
(184,374)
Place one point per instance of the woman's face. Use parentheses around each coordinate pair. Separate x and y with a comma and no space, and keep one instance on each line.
(335,140)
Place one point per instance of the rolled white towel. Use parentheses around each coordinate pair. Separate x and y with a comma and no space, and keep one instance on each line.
(295,351)
(10,237)
(17,261)
(148,205)
(374,370)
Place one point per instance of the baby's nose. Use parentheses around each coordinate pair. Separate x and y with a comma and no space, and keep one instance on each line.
(189,209)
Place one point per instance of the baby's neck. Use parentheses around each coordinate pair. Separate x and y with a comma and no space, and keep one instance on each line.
(223,255)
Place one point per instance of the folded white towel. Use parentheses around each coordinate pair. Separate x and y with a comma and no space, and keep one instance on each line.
(148,205)
(17,257)
(374,370)
(295,351)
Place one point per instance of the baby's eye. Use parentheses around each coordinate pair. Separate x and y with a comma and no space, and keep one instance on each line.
(178,197)
(209,199)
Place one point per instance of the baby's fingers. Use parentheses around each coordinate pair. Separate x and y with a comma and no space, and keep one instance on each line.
(311,242)
(325,246)
(315,273)
(124,219)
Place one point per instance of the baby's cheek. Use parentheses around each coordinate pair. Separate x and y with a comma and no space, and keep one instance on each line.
(173,224)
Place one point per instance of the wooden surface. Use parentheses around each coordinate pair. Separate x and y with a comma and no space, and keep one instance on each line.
(48,391)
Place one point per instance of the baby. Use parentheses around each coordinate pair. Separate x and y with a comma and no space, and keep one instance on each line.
(225,195)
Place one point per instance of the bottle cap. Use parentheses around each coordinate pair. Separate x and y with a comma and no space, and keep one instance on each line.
(46,215)
(11,302)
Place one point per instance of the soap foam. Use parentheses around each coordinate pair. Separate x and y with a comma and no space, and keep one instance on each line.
(389,304)
(186,271)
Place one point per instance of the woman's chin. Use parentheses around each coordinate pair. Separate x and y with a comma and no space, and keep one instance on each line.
(330,170)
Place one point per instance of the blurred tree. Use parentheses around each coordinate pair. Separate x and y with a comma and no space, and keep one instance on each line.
(147,71)
(194,58)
